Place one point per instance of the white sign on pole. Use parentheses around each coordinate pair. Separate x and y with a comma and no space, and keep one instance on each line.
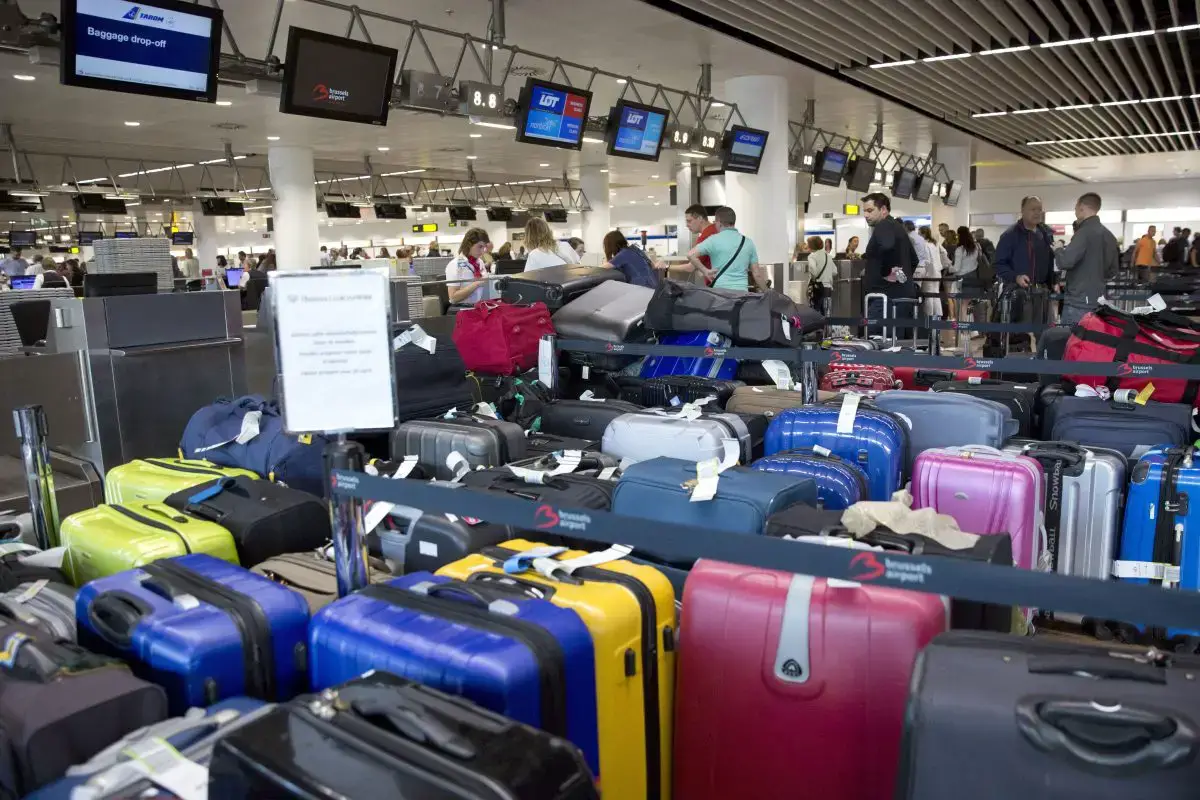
(334,348)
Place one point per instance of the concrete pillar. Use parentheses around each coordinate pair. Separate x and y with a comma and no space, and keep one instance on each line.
(686,193)
(206,237)
(958,164)
(297,245)
(598,221)
(765,203)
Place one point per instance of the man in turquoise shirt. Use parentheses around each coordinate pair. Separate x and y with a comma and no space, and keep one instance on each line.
(733,256)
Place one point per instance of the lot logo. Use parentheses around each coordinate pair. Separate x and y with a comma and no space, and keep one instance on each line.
(323,94)
(870,568)
(546,517)
(135,14)
(634,118)
(549,100)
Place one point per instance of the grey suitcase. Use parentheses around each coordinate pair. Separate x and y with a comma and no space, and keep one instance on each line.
(611,312)
(738,429)
(482,441)
(639,437)
(46,605)
(1084,491)
(945,419)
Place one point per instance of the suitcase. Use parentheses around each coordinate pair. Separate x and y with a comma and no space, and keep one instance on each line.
(497,338)
(46,605)
(413,541)
(630,610)
(556,286)
(858,378)
(840,484)
(591,462)
(505,648)
(610,312)
(876,441)
(1085,487)
(676,390)
(1128,428)
(1057,721)
(918,379)
(636,437)
(660,489)
(539,445)
(987,492)
(482,441)
(203,629)
(756,425)
(60,705)
(15,572)
(313,575)
(265,519)
(1018,397)
(558,491)
(380,737)
(582,419)
(1052,346)
(764,649)
(430,384)
(716,367)
(948,419)
(111,539)
(151,480)
(851,344)
(768,400)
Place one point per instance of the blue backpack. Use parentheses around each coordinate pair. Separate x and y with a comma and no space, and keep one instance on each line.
(215,432)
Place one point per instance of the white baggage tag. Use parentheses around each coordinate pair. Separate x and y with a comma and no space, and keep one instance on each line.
(714,338)
(31,592)
(550,568)
(164,765)
(380,510)
(607,473)
(787,326)
(1170,575)
(707,477)
(779,373)
(1157,303)
(546,362)
(486,410)
(731,454)
(975,381)
(458,464)
(676,402)
(822,451)
(845,423)
(451,414)
(1138,569)
(251,424)
(416,335)
(533,476)
(568,461)
(47,558)
(585,372)
(588,395)
(690,411)
(16,547)
(626,463)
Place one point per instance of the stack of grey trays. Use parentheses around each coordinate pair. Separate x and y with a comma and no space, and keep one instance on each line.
(10,341)
(413,295)
(136,255)
(431,269)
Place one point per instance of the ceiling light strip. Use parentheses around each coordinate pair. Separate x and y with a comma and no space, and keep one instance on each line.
(950,57)
(1077,106)
(1084,140)
(1114,36)
(1068,42)
(1021,48)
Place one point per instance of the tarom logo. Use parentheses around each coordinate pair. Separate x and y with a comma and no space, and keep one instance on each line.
(131,13)
(871,568)
(545,518)
(320,93)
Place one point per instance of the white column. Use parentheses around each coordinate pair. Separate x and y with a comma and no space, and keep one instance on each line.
(765,203)
(685,195)
(598,221)
(297,245)
(206,238)
(958,164)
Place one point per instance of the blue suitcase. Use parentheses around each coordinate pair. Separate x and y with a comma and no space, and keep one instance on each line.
(203,629)
(510,652)
(878,442)
(661,488)
(840,484)
(661,366)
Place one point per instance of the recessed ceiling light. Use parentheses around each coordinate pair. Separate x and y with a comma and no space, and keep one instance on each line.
(649,197)
(272,138)
(658,204)
(815,194)
(22,77)
(476,135)
(472,158)
(129,123)
(631,202)
(653,177)
(224,102)
(383,149)
(604,170)
(622,80)
(66,216)
(543,165)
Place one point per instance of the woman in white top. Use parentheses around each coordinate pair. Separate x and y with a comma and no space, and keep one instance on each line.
(937,263)
(544,249)
(468,266)
(821,270)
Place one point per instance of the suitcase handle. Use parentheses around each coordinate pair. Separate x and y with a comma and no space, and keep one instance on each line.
(1121,741)
(114,615)
(414,724)
(473,595)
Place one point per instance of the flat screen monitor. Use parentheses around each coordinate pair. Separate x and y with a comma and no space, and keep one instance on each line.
(185,238)
(125,235)
(742,149)
(390,211)
(22,281)
(903,183)
(342,211)
(233,277)
(339,266)
(860,174)
(22,238)
(830,166)
(552,114)
(335,78)
(113,284)
(923,188)
(953,193)
(169,48)
(89,237)
(558,215)
(636,130)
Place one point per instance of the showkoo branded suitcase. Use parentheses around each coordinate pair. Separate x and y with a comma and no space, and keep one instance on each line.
(152,480)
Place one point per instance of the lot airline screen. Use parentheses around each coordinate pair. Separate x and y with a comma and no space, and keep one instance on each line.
(555,115)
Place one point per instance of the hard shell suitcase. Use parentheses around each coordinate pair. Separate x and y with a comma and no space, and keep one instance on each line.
(265,519)
(763,649)
(919,379)
(152,480)
(630,611)
(313,575)
(871,438)
(946,419)
(768,400)
(1057,721)
(482,441)
(636,437)
(412,540)
(505,648)
(679,389)
(555,286)
(113,538)
(610,312)
(716,367)
(380,737)
(1019,398)
(840,484)
(203,629)
(1129,428)
(583,419)
(43,604)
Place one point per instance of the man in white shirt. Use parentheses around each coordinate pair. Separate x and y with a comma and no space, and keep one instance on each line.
(189,265)
(919,248)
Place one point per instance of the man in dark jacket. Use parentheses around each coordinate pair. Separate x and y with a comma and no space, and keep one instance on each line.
(1025,252)
(985,244)
(891,259)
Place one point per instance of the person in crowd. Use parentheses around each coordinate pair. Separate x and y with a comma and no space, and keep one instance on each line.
(576,244)
(505,251)
(938,267)
(468,266)
(1145,255)
(695,217)
(521,253)
(1091,258)
(358,254)
(629,261)
(267,264)
(966,263)
(1025,252)
(891,261)
(1162,243)
(1175,252)
(985,245)
(821,270)
(829,246)
(918,245)
(14,265)
(241,259)
(189,265)
(803,248)
(733,256)
(434,248)
(949,243)
(544,249)
(35,265)
(222,263)
(176,272)
(383,253)
(78,272)
(325,257)
(851,248)
(1194,253)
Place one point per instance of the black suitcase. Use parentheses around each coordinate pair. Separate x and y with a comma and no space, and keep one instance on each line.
(560,491)
(1127,427)
(1018,717)
(428,541)
(554,286)
(661,392)
(380,737)
(538,444)
(430,384)
(14,572)
(1052,346)
(583,419)
(1020,398)
(265,519)
(592,462)
(60,705)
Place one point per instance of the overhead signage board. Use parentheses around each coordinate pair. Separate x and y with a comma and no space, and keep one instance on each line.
(426,227)
(552,114)
(481,99)
(636,130)
(743,149)
(427,91)
(705,141)
(331,77)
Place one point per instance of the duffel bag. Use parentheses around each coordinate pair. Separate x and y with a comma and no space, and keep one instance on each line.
(751,320)
(1109,335)
(248,433)
(498,338)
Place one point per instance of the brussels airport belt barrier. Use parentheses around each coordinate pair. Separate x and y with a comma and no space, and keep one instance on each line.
(1008,586)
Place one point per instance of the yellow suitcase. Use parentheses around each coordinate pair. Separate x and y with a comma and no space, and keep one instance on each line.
(153,480)
(621,603)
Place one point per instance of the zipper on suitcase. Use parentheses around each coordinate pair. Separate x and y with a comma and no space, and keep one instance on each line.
(544,646)
(258,655)
(181,468)
(133,515)
(645,600)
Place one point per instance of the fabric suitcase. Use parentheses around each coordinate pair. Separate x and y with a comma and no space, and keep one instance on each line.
(538,444)
(496,338)
(840,484)
(876,441)
(46,605)
(430,384)
(203,629)
(591,462)
(380,737)
(264,519)
(947,419)
(715,367)
(858,378)
(556,286)
(764,649)
(556,491)
(152,480)
(767,319)
(113,538)
(609,312)
(582,419)
(636,437)
(676,390)
(482,441)
(629,609)
(1018,397)
(918,379)
(768,400)
(1129,428)
(14,571)
(1085,487)
(1057,721)
(313,576)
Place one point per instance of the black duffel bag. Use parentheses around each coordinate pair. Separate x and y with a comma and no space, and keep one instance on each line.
(768,318)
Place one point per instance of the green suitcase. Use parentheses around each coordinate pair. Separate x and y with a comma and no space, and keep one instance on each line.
(109,539)
(152,480)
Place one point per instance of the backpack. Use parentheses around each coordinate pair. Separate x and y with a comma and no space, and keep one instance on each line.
(1173,251)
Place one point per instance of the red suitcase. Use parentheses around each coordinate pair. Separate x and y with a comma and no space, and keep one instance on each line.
(924,379)
(858,378)
(789,687)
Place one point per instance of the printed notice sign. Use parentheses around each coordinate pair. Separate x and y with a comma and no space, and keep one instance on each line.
(335,350)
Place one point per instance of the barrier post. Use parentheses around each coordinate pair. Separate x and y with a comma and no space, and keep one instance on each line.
(935,336)
(808,375)
(548,362)
(346,518)
(32,431)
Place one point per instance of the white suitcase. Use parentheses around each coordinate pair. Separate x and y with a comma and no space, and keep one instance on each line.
(639,437)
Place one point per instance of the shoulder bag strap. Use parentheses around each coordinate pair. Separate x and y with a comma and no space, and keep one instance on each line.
(729,263)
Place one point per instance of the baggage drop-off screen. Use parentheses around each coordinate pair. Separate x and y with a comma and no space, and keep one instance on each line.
(555,115)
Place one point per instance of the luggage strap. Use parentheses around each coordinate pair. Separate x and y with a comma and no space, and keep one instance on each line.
(1149,570)
(1054,498)
(1167,540)
(729,263)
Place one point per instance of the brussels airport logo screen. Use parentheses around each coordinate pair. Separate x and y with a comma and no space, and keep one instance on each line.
(324,94)
(639,132)
(555,115)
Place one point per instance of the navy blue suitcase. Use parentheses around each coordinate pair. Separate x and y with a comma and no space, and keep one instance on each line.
(203,629)
(509,651)
(840,484)
(1130,428)
(715,367)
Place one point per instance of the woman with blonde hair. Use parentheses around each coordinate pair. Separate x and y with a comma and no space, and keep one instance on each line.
(544,249)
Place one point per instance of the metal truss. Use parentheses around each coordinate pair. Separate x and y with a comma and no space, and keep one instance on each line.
(806,139)
(409,190)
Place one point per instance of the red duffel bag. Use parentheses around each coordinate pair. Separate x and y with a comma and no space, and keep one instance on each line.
(1109,335)
(499,338)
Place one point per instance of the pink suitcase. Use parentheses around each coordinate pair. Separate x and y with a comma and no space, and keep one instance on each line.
(986,491)
(788,686)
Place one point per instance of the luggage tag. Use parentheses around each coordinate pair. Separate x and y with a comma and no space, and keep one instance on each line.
(457,463)
(553,569)
(251,425)
(416,335)
(590,396)
(486,410)
(380,510)
(31,592)
(607,473)
(787,326)
(522,561)
(845,422)
(167,767)
(779,373)
(546,371)
(704,488)
(975,380)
